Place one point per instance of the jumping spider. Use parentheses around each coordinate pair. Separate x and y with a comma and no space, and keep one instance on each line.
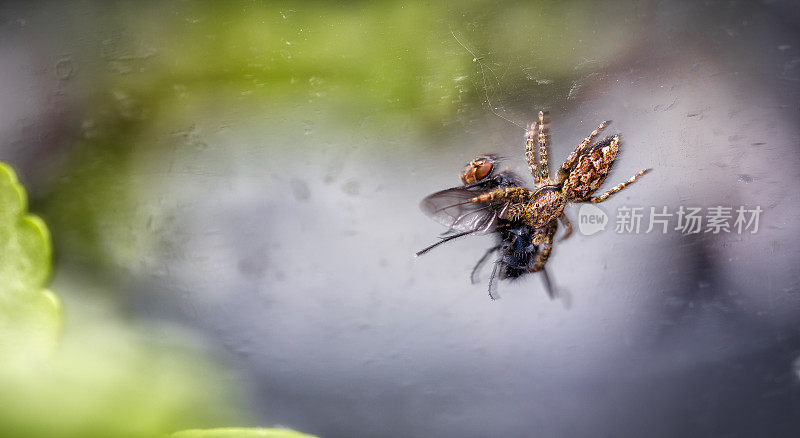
(576,181)
(501,204)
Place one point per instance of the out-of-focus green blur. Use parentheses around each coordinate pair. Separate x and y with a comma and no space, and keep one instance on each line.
(96,374)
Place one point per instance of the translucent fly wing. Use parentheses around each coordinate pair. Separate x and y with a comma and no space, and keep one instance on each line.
(454,209)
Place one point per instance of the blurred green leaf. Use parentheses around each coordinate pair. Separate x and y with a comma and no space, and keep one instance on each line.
(231,432)
(112,378)
(102,377)
(30,315)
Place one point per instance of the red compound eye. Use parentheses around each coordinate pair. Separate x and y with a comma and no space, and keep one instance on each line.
(477,170)
(483,169)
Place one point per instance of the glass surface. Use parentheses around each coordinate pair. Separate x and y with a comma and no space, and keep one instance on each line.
(250,173)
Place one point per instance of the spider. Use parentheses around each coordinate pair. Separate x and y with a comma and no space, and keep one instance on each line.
(501,204)
(576,181)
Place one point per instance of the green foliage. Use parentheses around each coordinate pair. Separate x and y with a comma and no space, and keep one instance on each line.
(237,432)
(98,376)
(30,315)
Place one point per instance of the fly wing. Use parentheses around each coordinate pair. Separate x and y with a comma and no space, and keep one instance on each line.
(454,209)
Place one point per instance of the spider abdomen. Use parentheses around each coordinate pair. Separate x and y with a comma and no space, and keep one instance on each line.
(590,170)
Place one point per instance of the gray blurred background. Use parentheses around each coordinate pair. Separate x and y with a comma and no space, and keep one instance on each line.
(250,173)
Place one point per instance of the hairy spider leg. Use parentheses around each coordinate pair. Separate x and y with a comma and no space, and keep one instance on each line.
(618,187)
(544,145)
(480,263)
(530,154)
(567,224)
(541,256)
(510,193)
(564,170)
(545,248)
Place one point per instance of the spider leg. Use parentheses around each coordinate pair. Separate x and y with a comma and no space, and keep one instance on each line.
(530,155)
(567,224)
(545,248)
(544,145)
(548,286)
(618,187)
(509,193)
(478,265)
(563,171)
(541,257)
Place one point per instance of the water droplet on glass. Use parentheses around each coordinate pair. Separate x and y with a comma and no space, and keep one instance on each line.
(351,188)
(64,68)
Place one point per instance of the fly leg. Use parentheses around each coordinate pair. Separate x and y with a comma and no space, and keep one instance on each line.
(444,239)
(473,279)
(492,295)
